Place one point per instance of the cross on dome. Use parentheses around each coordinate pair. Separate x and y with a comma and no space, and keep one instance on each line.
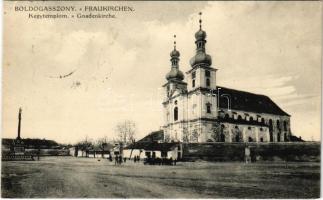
(175,73)
(200,21)
(200,58)
(175,53)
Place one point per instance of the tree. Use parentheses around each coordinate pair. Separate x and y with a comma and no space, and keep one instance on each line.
(85,144)
(102,143)
(126,131)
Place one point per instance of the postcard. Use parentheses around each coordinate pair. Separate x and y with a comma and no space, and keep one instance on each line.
(161,99)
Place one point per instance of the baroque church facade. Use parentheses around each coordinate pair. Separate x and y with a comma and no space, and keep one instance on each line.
(199,110)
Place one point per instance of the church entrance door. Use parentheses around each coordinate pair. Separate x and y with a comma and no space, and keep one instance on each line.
(222,137)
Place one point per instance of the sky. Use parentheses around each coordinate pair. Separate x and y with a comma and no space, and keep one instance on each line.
(271,48)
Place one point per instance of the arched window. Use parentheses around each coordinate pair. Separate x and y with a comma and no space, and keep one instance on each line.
(263,120)
(199,45)
(193,75)
(278,124)
(175,114)
(270,124)
(208,82)
(227,116)
(251,119)
(271,130)
(194,110)
(278,137)
(208,107)
(239,118)
(285,125)
(250,139)
(193,83)
(261,139)
(207,73)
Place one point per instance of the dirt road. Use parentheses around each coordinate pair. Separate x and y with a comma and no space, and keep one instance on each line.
(70,177)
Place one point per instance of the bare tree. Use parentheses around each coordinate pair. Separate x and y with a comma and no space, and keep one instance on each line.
(102,143)
(85,144)
(126,131)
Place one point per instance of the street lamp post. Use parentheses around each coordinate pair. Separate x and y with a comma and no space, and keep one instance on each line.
(228,98)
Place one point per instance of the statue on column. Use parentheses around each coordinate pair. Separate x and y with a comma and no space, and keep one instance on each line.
(18,144)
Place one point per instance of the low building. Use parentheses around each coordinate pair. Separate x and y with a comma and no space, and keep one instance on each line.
(153,146)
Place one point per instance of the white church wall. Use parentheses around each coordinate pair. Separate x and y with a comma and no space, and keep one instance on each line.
(190,79)
(250,133)
(212,101)
(203,78)
(257,117)
(193,107)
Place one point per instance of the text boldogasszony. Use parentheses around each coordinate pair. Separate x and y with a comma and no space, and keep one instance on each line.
(73,8)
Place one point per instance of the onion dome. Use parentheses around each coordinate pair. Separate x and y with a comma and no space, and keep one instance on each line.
(175,73)
(200,35)
(174,53)
(200,58)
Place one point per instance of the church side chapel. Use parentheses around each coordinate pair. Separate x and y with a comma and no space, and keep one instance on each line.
(200,111)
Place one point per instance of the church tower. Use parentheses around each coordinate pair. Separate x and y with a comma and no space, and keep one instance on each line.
(174,102)
(191,108)
(202,80)
(175,77)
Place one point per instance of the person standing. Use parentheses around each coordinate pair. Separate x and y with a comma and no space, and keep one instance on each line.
(247,154)
(116,160)
(120,160)
(38,153)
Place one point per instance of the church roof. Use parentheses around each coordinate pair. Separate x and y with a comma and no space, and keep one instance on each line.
(249,102)
(153,136)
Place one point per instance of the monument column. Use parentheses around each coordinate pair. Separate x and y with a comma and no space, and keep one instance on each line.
(19,123)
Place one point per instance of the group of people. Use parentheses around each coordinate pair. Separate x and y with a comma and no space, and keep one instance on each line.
(118,160)
(160,161)
(136,159)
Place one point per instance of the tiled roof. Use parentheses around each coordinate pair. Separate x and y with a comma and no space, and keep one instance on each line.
(249,102)
(153,136)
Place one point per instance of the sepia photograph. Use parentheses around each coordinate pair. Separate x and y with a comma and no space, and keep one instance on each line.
(161,99)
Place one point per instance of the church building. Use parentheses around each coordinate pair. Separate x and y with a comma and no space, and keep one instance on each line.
(199,110)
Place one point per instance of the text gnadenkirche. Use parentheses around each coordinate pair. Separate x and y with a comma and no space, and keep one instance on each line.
(74,8)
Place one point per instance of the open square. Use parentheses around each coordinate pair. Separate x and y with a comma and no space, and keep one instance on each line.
(69,177)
